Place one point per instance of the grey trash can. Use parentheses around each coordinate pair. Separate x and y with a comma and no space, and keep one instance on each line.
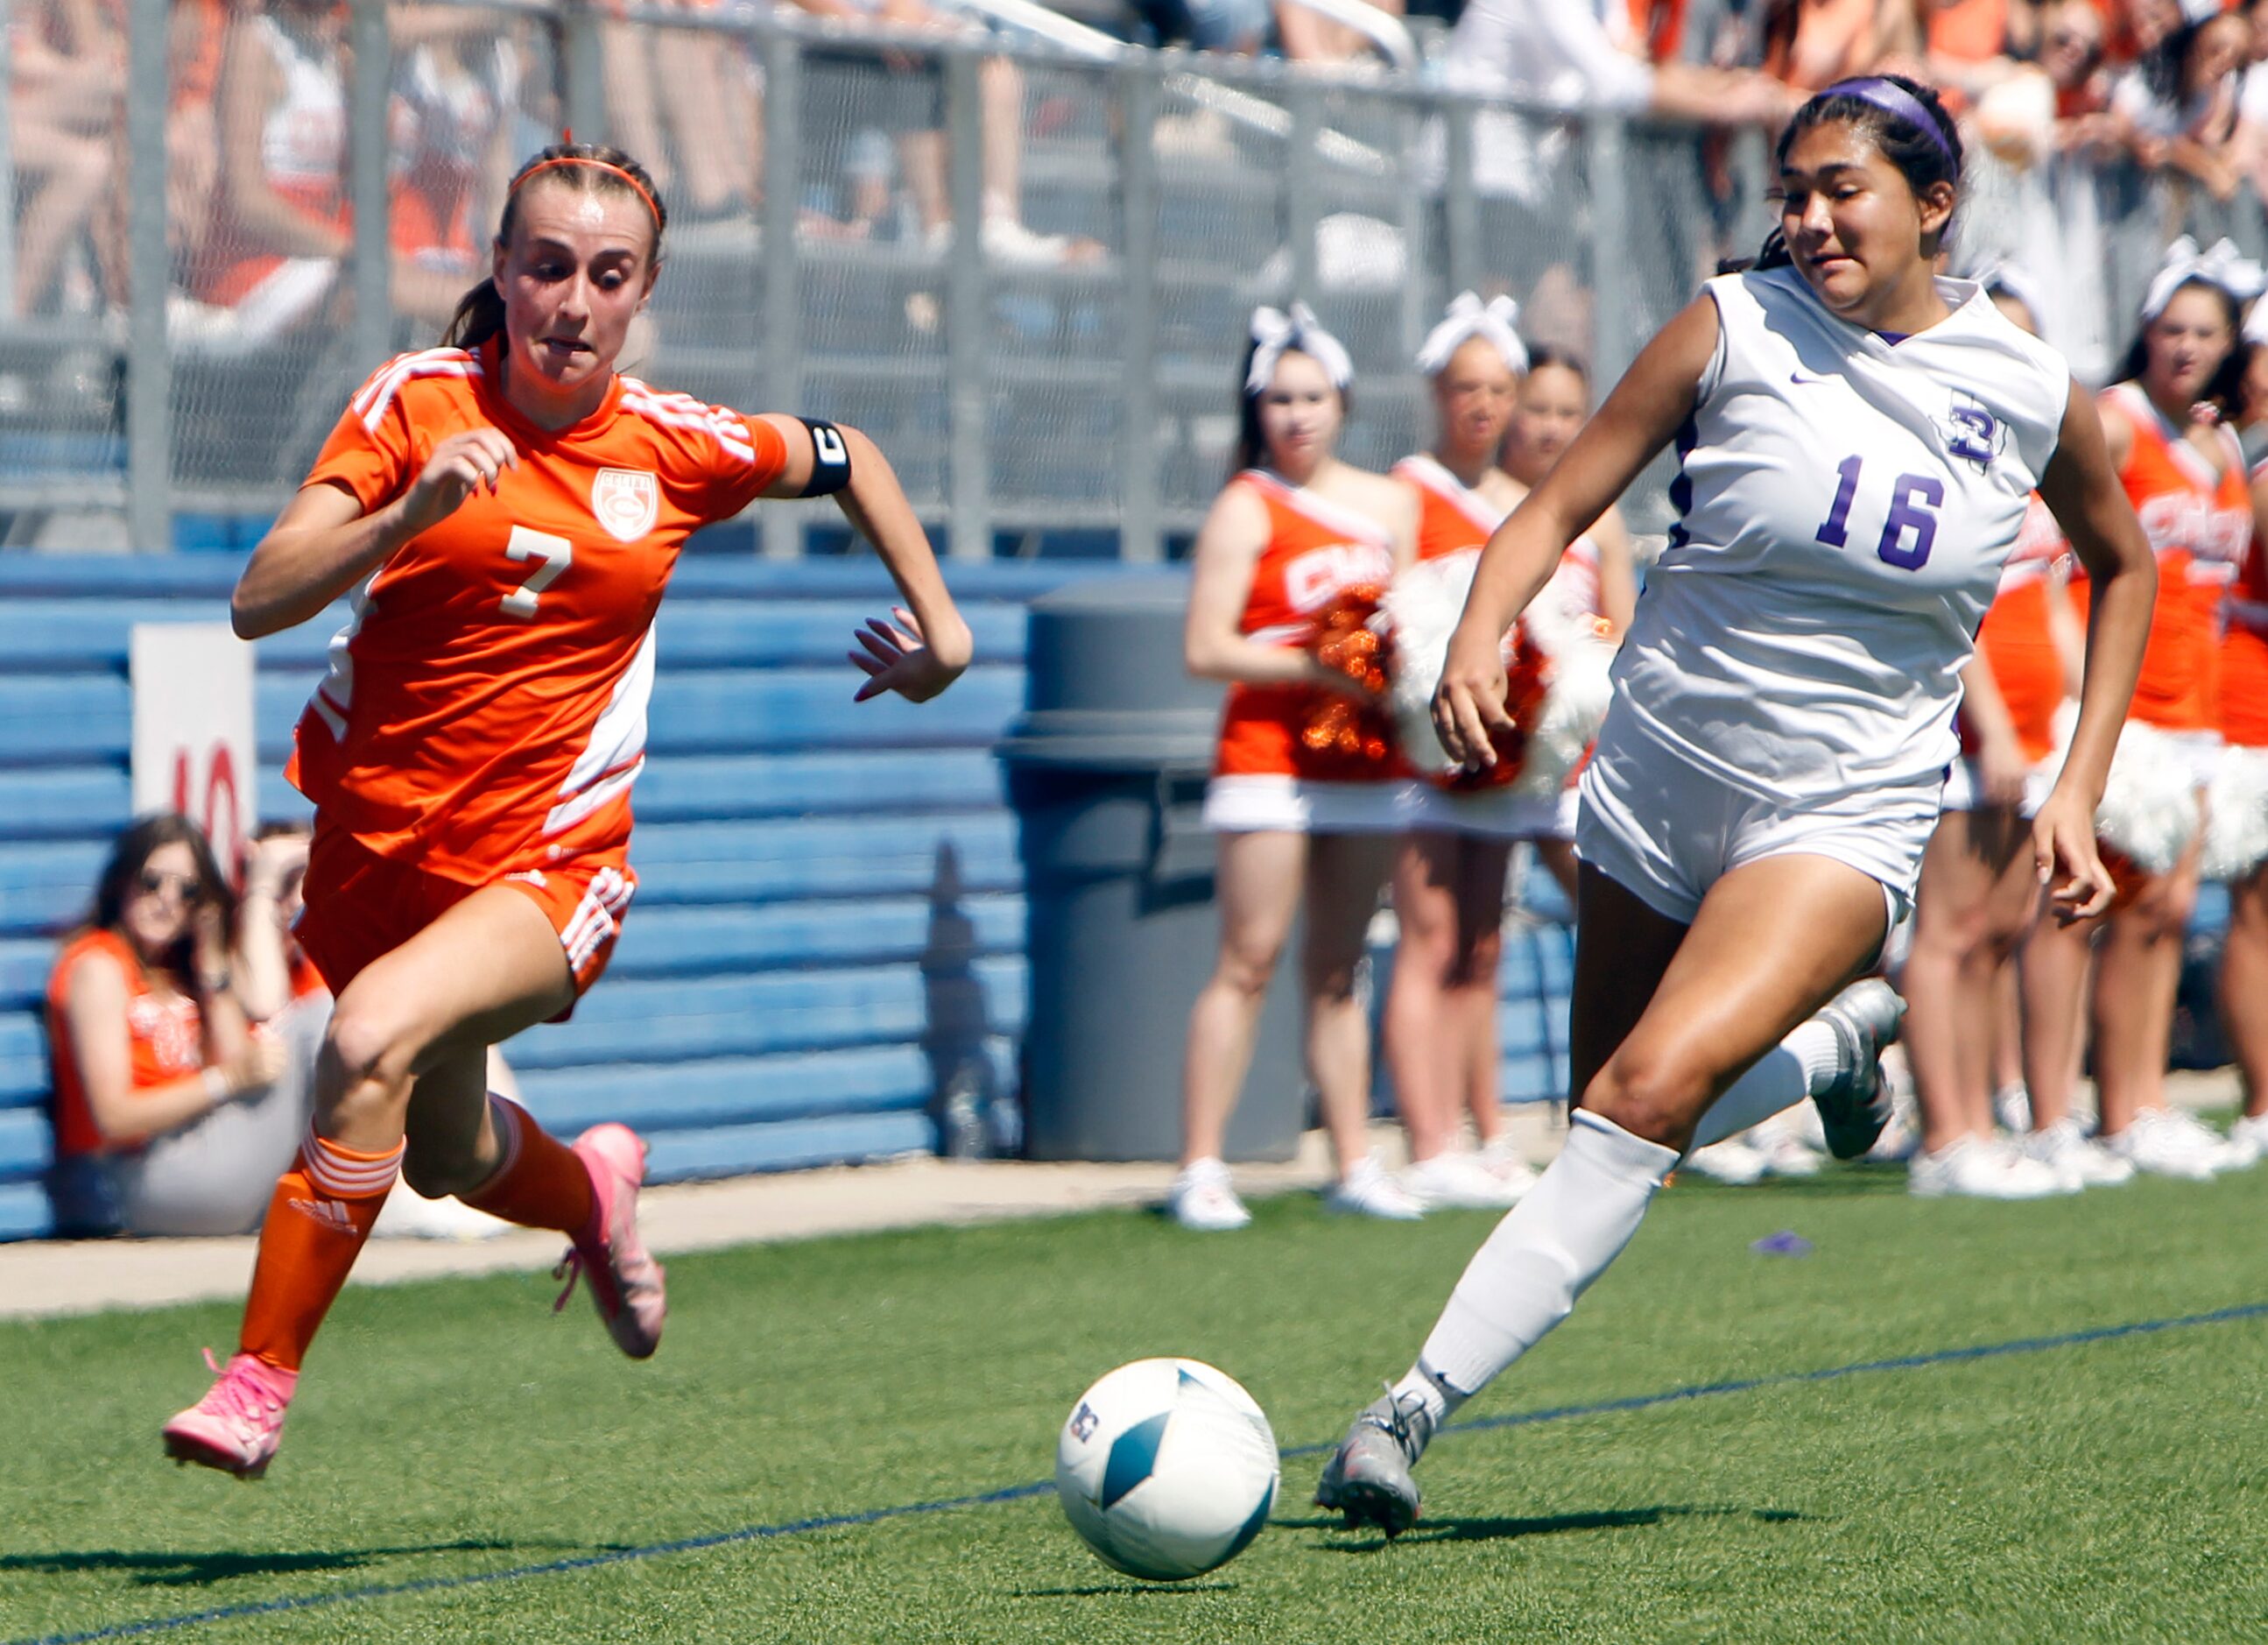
(1107,772)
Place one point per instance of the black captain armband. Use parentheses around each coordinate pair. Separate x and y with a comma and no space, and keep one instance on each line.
(830,459)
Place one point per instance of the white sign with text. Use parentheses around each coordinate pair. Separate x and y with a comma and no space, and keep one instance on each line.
(193,749)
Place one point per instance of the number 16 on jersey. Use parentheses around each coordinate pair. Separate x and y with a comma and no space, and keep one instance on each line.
(1914,499)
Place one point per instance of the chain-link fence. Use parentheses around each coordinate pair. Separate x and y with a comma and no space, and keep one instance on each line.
(1025,266)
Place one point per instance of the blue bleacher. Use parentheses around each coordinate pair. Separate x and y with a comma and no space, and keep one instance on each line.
(829,913)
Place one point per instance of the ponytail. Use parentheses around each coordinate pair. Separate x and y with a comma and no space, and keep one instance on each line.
(479,316)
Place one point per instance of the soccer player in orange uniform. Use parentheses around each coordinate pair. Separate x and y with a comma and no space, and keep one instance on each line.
(504,512)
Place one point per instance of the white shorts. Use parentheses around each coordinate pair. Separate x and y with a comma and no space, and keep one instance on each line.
(1961,785)
(1666,830)
(1292,805)
(1493,812)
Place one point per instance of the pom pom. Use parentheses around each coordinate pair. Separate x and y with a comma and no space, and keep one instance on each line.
(2236,814)
(2149,814)
(1555,673)
(1341,728)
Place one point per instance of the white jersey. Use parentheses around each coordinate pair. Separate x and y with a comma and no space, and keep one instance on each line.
(1845,504)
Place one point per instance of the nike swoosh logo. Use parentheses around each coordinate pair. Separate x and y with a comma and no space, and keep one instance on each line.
(1798,377)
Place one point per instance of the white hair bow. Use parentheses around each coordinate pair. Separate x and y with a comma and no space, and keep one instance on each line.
(2224,266)
(1467,318)
(2008,279)
(1273,331)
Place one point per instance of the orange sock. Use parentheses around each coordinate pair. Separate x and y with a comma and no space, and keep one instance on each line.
(317,1219)
(540,1182)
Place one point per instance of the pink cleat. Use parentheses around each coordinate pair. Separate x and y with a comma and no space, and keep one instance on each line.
(625,1280)
(237,1425)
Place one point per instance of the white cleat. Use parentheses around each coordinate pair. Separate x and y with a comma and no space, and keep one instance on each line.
(1367,1191)
(1203,1199)
(1732,1160)
(2075,1158)
(1975,1170)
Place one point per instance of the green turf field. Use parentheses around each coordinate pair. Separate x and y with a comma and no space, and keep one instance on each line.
(2104,1491)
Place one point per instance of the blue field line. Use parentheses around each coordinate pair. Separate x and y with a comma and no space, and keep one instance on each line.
(1023,1493)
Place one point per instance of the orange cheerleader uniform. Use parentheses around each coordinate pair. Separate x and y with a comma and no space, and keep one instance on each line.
(2244,651)
(2017,646)
(484,716)
(1265,776)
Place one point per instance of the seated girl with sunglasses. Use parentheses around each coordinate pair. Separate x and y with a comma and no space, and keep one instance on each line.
(165,1115)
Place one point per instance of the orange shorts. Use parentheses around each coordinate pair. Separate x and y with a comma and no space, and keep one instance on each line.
(361,907)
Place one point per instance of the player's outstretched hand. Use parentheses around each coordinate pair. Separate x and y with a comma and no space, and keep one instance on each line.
(899,658)
(1468,702)
(2063,843)
(461,465)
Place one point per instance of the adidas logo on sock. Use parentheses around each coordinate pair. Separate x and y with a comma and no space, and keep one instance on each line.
(332,1214)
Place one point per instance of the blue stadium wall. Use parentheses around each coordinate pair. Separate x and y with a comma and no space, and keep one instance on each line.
(829,908)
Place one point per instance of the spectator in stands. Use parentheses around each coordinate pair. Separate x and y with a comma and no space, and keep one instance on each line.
(2177,109)
(164,1115)
(906,99)
(65,72)
(1305,35)
(2074,51)
(455,81)
(1238,28)
(1813,43)
(1563,54)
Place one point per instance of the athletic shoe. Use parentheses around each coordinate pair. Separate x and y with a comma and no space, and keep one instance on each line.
(2012,1106)
(2250,1133)
(1975,1170)
(1458,1182)
(1366,1191)
(1783,1152)
(1367,1478)
(2157,1144)
(2076,1158)
(1502,1159)
(1732,1160)
(625,1280)
(1202,1198)
(237,1425)
(2226,1153)
(1855,1107)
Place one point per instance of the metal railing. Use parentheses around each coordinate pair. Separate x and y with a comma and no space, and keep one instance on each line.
(1019,252)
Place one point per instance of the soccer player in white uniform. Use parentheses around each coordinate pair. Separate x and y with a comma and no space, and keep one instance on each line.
(1858,439)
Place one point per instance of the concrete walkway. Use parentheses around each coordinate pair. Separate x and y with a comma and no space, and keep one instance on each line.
(51,1278)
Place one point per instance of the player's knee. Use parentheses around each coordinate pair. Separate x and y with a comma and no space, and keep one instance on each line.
(1247,968)
(439,1172)
(369,1044)
(1655,1097)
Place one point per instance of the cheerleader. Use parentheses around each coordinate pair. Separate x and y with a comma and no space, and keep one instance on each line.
(1449,872)
(1978,892)
(2236,824)
(1857,440)
(2179,463)
(1305,820)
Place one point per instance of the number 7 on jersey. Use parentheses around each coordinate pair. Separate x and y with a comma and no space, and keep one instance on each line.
(556,555)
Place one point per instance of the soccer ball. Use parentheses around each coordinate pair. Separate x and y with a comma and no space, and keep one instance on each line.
(1168,1468)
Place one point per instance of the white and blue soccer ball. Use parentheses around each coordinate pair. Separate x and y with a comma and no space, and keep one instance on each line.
(1168,1468)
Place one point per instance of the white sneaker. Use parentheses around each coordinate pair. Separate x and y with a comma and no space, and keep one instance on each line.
(1732,1160)
(2249,1134)
(2160,1145)
(1974,1170)
(2226,1153)
(2012,1106)
(1203,1199)
(2075,1157)
(1366,1191)
(1502,1160)
(1783,1149)
(1457,1181)
(1006,240)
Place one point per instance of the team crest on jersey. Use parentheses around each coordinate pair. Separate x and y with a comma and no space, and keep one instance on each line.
(1973,434)
(625,502)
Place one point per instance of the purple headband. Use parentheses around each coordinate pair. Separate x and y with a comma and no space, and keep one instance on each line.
(1893,98)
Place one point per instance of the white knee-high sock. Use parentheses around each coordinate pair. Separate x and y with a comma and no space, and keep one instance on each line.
(1544,1254)
(1804,1063)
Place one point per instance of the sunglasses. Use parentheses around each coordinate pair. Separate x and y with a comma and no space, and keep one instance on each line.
(153,881)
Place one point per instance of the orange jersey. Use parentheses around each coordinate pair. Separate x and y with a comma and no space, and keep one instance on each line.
(2199,524)
(2244,650)
(1452,517)
(1316,550)
(485,709)
(2015,640)
(165,1036)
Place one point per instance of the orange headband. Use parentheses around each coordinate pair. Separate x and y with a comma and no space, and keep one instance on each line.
(605,165)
